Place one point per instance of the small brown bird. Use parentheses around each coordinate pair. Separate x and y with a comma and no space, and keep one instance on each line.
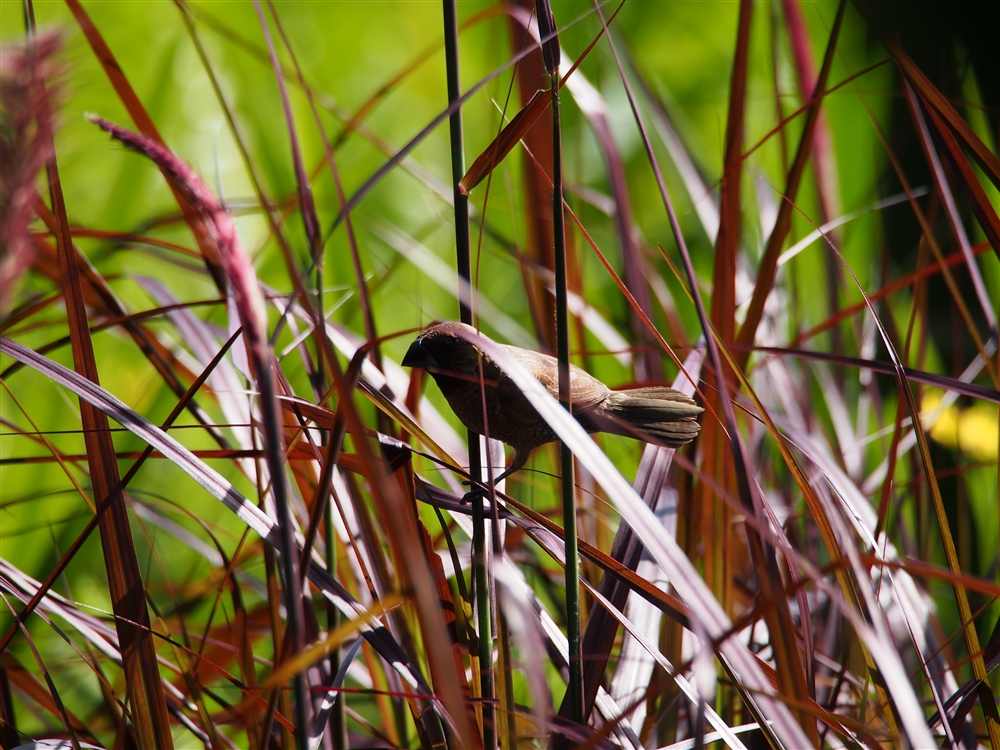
(656,413)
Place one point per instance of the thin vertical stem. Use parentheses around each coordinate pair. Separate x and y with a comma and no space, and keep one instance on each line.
(462,243)
(338,715)
(272,443)
(464,266)
(575,684)
(551,55)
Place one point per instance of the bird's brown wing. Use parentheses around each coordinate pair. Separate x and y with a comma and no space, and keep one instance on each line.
(586,391)
(512,405)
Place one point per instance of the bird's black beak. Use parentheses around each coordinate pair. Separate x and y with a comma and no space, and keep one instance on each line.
(417,356)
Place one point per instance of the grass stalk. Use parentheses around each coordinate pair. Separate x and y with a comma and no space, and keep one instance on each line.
(550,55)
(463,262)
(835,472)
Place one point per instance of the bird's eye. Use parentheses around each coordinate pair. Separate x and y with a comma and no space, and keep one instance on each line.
(447,344)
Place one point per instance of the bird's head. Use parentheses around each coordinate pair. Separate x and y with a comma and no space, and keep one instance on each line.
(444,349)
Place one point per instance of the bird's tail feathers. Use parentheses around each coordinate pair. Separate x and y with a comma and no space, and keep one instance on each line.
(652,404)
(654,413)
(673,434)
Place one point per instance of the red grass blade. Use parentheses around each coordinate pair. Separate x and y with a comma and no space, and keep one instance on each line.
(769,260)
(145,124)
(508,137)
(970,184)
(146,698)
(943,108)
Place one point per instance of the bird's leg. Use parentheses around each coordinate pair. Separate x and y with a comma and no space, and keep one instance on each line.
(518,461)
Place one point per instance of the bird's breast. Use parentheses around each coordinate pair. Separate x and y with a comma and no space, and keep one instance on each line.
(509,416)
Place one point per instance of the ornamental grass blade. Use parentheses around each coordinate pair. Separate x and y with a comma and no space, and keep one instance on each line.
(510,135)
(149,716)
(601,629)
(888,289)
(981,206)
(219,488)
(134,106)
(968,626)
(421,573)
(248,300)
(822,442)
(97,293)
(943,108)
(635,267)
(686,580)
(769,260)
(306,203)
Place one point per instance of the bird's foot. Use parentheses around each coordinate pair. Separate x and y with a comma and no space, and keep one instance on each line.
(476,492)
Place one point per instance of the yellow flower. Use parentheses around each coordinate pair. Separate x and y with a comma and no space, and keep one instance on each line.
(979,432)
(975,431)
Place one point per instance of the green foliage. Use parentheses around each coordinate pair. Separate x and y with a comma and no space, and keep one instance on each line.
(374,77)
